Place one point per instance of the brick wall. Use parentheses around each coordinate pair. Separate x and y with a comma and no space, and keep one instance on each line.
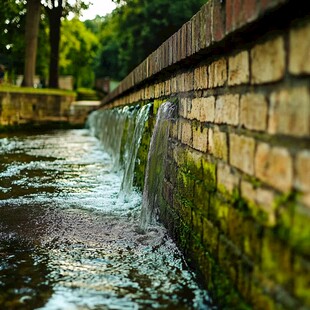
(237,185)
(25,109)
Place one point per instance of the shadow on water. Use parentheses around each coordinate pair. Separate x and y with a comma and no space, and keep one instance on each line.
(68,241)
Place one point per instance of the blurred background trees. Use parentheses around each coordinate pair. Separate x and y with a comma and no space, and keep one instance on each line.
(107,46)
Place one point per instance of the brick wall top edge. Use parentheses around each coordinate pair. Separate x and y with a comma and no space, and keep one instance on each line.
(221,19)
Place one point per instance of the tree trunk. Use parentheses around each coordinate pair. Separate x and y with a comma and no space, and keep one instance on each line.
(54,17)
(31,38)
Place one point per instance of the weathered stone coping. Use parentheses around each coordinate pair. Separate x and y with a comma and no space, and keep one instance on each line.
(217,23)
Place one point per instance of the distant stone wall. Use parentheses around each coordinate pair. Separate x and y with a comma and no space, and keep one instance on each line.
(21,108)
(237,184)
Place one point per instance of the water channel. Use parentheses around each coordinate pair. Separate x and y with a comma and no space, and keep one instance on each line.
(70,240)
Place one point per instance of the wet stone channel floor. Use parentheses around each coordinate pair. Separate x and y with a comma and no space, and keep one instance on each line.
(68,241)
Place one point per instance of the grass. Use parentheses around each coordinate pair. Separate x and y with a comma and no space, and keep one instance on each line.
(6,88)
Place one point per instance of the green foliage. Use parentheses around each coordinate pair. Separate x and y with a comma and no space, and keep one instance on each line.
(87,94)
(77,52)
(12,34)
(137,28)
(31,90)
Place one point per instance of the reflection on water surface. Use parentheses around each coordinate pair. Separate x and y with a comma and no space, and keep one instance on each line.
(67,241)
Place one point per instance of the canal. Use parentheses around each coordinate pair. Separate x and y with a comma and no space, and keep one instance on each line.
(69,240)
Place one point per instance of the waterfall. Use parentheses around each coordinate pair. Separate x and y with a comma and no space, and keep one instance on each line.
(155,165)
(133,149)
(120,132)
(109,127)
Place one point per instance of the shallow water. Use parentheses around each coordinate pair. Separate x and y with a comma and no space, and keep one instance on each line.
(67,241)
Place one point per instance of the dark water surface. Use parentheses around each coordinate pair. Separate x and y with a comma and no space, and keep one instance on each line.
(68,241)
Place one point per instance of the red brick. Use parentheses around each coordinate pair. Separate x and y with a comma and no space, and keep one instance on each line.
(218,20)
(240,12)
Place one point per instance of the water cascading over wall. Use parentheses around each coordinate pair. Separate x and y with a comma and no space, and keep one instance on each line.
(236,186)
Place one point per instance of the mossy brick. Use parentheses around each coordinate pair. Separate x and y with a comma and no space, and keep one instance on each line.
(265,202)
(235,227)
(183,208)
(302,280)
(260,202)
(185,184)
(277,260)
(204,267)
(300,230)
(194,164)
(172,221)
(253,236)
(272,54)
(223,291)
(197,225)
(228,258)
(209,174)
(167,192)
(157,103)
(179,155)
(261,300)
(210,237)
(201,198)
(171,172)
(218,212)
(184,237)
(244,279)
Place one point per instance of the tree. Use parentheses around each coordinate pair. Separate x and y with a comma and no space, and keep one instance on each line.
(136,28)
(12,35)
(55,10)
(31,40)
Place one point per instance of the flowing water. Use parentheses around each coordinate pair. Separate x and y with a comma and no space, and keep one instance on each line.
(69,240)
